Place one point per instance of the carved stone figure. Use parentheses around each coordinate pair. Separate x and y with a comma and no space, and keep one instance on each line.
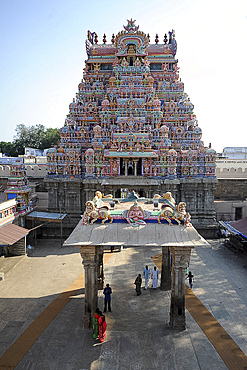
(93,214)
(135,216)
(177,213)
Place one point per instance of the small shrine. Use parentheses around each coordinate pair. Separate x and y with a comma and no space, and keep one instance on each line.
(18,188)
(136,222)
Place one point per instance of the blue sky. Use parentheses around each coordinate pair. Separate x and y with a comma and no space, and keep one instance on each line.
(42,48)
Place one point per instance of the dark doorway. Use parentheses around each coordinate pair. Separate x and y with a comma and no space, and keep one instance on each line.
(139,167)
(238,213)
(130,168)
(141,193)
(118,193)
(122,167)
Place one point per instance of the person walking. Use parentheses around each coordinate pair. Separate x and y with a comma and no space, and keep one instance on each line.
(107,292)
(146,273)
(190,277)
(138,283)
(155,275)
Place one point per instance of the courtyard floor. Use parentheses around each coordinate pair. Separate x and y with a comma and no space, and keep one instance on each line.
(42,303)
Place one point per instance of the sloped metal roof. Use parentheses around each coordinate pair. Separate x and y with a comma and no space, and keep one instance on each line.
(237,227)
(10,234)
(44,216)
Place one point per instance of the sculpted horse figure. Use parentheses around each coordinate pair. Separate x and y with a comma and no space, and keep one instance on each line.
(169,211)
(92,213)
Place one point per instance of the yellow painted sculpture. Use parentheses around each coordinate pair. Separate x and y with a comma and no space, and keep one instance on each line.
(171,211)
(92,213)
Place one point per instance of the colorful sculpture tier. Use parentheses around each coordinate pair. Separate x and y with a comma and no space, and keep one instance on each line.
(136,211)
(131,116)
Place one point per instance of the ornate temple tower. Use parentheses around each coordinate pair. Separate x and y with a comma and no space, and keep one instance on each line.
(132,126)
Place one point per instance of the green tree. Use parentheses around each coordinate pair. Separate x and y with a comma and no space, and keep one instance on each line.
(51,137)
(35,137)
(8,148)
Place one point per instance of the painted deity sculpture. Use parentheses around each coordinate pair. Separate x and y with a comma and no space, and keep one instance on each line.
(97,199)
(135,216)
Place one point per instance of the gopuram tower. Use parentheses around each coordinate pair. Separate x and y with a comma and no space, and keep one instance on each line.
(132,126)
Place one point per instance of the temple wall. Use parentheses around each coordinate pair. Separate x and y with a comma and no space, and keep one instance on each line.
(226,210)
(231,189)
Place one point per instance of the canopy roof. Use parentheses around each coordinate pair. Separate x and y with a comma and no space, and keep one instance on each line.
(151,234)
(44,216)
(10,234)
(236,227)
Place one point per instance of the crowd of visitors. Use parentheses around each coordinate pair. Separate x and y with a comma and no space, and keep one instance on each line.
(146,274)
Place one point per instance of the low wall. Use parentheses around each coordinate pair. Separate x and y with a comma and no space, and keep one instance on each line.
(231,189)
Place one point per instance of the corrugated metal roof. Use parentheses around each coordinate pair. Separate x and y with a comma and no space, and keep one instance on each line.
(10,234)
(46,216)
(240,226)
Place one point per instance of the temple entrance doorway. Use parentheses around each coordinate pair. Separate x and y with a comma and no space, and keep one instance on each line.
(130,168)
(139,168)
(118,193)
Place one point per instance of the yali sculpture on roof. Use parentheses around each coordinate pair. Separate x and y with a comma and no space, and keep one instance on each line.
(135,214)
(131,116)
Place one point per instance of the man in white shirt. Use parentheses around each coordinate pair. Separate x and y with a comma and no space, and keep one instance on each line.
(155,275)
(146,273)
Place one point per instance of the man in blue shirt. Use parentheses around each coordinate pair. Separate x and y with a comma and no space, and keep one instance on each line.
(146,273)
(107,292)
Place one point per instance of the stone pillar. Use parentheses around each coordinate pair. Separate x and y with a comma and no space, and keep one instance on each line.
(89,256)
(100,267)
(135,167)
(65,192)
(165,283)
(126,167)
(180,259)
(87,195)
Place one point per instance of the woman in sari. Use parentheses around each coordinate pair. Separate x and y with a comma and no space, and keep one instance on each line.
(102,327)
(96,323)
(138,283)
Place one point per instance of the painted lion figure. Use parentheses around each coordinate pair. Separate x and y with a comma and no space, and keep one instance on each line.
(92,213)
(176,213)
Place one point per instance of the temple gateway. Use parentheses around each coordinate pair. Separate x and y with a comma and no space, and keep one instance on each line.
(131,127)
(135,222)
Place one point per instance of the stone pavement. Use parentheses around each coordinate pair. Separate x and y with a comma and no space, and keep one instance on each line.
(138,336)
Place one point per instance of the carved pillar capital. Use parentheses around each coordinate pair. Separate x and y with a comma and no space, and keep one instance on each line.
(180,256)
(88,255)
